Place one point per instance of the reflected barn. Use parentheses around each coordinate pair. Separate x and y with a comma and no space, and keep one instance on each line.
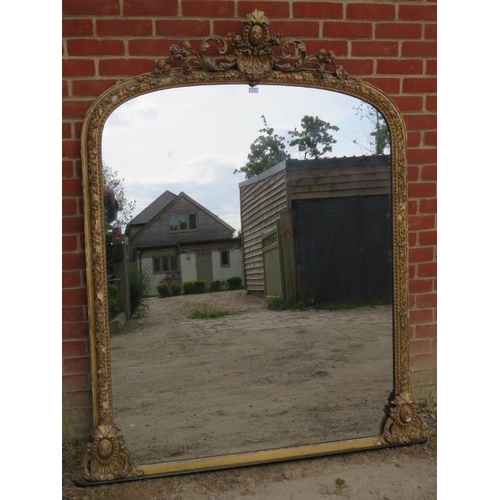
(335,209)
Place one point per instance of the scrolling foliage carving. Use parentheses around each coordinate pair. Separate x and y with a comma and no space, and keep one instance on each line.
(253,54)
(257,58)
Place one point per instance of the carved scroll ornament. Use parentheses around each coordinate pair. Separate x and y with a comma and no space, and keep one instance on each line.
(254,54)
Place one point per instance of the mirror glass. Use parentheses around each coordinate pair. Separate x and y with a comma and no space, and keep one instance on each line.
(265,371)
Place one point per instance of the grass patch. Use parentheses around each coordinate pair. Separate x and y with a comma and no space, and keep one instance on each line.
(208,314)
(275,303)
(340,484)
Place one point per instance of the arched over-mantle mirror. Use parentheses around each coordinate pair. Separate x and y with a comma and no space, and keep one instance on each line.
(251,59)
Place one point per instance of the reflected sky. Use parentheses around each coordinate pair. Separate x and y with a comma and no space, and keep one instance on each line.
(192,139)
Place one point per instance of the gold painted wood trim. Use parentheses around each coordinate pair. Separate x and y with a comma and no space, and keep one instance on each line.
(254,61)
(260,457)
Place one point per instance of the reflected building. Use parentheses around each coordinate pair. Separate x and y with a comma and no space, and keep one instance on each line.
(175,239)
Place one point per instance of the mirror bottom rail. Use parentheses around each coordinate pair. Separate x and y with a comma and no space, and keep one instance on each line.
(164,469)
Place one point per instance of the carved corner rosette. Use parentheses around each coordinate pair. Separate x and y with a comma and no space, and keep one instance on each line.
(106,457)
(254,54)
(404,423)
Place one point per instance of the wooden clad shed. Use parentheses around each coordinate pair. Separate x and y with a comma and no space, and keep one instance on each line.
(332,231)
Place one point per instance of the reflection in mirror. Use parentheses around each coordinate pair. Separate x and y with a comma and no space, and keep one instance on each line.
(277,199)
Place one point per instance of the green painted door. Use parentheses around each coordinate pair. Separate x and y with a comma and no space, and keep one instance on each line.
(273,275)
(204,268)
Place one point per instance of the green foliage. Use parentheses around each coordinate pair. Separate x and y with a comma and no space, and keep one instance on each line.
(314,139)
(168,289)
(208,314)
(139,289)
(193,287)
(379,138)
(115,183)
(216,285)
(234,283)
(114,300)
(266,151)
(275,303)
(164,290)
(380,134)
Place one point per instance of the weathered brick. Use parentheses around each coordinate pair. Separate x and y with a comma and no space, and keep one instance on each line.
(75,348)
(75,330)
(182,28)
(389,85)
(428,173)
(319,10)
(418,12)
(273,10)
(400,66)
(421,316)
(71,278)
(87,88)
(297,28)
(202,8)
(398,31)
(92,47)
(78,67)
(374,11)
(409,103)
(90,7)
(420,286)
(76,365)
(150,8)
(422,254)
(427,237)
(428,206)
(124,27)
(421,85)
(77,27)
(75,382)
(420,49)
(126,67)
(375,49)
(343,29)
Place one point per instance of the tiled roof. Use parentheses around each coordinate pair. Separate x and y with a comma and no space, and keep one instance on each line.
(153,208)
(155,233)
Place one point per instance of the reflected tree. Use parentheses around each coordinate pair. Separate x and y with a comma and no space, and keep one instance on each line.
(118,209)
(379,140)
(314,139)
(266,151)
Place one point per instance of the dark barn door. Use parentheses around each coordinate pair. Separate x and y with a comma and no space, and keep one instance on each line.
(344,249)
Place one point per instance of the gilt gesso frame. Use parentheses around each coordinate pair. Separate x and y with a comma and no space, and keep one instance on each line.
(251,58)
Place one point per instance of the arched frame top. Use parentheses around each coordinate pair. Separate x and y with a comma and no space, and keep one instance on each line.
(253,62)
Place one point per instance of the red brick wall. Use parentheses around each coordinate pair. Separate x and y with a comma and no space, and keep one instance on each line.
(391,44)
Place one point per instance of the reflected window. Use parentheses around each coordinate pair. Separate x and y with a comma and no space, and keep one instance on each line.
(224,258)
(183,222)
(164,264)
